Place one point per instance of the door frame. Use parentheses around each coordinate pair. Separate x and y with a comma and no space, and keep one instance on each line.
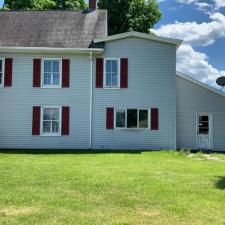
(210,128)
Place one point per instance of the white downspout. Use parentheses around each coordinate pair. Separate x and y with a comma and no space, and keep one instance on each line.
(91,101)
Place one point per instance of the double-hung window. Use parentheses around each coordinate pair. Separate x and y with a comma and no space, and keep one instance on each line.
(51,121)
(111,73)
(1,72)
(132,118)
(51,72)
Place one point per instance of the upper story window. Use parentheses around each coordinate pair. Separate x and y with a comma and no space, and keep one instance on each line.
(132,118)
(51,75)
(51,121)
(111,74)
(1,72)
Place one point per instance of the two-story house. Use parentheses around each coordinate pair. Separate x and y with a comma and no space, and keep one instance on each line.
(66,84)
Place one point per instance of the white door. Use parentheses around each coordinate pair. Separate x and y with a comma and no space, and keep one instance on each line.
(204,131)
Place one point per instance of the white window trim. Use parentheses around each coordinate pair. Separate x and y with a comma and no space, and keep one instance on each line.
(104,72)
(3,72)
(134,128)
(60,121)
(60,73)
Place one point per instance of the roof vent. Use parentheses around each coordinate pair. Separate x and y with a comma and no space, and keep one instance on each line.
(92,4)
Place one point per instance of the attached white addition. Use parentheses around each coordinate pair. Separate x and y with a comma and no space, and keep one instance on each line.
(204,131)
(132,118)
(51,121)
(111,73)
(51,73)
(2,63)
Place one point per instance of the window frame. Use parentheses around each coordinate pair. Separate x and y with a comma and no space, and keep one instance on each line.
(133,128)
(3,71)
(60,121)
(42,73)
(118,74)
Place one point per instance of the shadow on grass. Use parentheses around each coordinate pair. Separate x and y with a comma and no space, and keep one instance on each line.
(66,151)
(220,183)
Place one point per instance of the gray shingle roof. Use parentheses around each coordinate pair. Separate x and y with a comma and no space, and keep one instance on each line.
(65,29)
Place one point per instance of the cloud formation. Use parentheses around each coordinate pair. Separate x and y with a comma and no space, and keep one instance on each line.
(196,34)
(190,61)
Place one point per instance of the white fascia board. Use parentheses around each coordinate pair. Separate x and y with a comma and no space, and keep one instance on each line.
(199,83)
(49,50)
(152,37)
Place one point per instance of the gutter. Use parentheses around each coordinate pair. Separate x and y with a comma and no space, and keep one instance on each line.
(49,50)
(91,100)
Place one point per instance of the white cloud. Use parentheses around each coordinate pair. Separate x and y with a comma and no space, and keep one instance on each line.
(195,64)
(190,61)
(219,4)
(199,34)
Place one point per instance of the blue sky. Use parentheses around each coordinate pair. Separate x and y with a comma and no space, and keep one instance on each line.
(201,24)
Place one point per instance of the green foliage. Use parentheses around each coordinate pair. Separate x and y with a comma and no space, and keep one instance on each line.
(127,15)
(43,4)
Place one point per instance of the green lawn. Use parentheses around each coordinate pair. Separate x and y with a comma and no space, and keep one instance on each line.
(115,189)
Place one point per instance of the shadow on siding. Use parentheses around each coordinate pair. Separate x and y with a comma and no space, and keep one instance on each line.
(66,151)
(220,184)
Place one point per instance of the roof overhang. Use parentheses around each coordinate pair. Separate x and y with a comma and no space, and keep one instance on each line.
(151,37)
(9,49)
(199,83)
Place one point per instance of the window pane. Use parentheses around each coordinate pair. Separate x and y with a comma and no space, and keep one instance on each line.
(131,118)
(55,66)
(47,114)
(108,66)
(0,65)
(47,78)
(114,80)
(46,127)
(47,66)
(120,118)
(54,114)
(0,71)
(55,127)
(114,66)
(108,79)
(55,79)
(143,118)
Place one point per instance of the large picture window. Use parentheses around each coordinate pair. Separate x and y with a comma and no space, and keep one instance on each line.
(132,118)
(1,72)
(111,73)
(51,120)
(51,72)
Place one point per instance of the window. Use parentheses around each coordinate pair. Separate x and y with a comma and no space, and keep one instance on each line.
(51,120)
(51,73)
(111,73)
(203,125)
(1,72)
(132,118)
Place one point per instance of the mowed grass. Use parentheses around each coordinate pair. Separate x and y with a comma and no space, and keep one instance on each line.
(118,189)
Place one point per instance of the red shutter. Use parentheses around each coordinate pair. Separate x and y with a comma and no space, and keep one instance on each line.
(65,73)
(99,73)
(154,119)
(36,72)
(124,73)
(36,120)
(109,118)
(8,72)
(65,120)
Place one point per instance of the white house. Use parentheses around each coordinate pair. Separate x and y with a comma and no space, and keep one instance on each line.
(66,84)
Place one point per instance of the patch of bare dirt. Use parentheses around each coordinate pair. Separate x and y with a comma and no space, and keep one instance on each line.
(18,211)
